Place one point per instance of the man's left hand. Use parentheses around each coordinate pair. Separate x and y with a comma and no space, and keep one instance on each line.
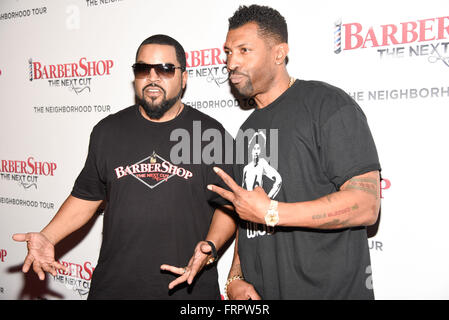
(197,262)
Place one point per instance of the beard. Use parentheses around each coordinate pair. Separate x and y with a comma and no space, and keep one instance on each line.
(247,89)
(157,110)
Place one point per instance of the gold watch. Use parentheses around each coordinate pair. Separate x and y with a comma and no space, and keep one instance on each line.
(272,216)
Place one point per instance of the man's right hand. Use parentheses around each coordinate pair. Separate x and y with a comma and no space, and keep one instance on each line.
(242,290)
(41,254)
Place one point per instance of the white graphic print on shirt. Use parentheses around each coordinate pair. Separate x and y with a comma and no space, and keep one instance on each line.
(253,174)
(153,172)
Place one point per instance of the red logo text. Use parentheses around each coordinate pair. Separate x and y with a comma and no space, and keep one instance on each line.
(30,166)
(82,68)
(356,36)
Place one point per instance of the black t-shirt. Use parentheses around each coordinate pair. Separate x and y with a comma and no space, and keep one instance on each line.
(158,206)
(301,147)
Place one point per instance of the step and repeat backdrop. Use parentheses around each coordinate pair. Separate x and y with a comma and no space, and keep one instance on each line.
(65,65)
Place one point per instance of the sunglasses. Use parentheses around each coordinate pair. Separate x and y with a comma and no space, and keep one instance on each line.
(163,70)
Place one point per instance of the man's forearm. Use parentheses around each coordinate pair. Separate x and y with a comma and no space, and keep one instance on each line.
(73,214)
(235,270)
(356,204)
(222,228)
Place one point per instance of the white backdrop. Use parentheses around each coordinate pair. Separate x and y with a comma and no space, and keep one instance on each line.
(393,59)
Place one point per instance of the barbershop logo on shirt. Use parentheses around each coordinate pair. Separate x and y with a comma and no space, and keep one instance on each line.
(207,64)
(152,171)
(76,76)
(428,38)
(26,173)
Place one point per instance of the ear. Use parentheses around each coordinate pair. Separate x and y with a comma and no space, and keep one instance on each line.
(281,52)
(184,76)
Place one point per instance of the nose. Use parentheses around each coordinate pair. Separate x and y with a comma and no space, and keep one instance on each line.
(153,76)
(232,62)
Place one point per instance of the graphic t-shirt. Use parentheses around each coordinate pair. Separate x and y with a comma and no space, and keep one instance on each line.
(301,147)
(154,178)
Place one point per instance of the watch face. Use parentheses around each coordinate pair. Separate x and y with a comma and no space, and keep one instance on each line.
(271,219)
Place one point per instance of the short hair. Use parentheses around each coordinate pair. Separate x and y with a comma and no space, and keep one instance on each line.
(270,22)
(169,41)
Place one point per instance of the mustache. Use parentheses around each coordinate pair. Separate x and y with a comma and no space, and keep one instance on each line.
(232,72)
(152,85)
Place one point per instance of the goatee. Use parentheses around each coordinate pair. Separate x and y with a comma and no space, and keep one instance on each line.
(156,111)
(246,90)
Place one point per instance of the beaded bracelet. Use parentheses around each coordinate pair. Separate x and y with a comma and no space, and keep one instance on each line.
(237,277)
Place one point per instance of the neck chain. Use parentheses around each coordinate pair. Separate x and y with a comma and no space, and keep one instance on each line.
(292,81)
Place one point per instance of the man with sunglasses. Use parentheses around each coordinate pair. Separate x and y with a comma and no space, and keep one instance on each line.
(157,210)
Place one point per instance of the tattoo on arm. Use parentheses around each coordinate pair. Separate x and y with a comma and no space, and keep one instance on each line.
(368,185)
(341,217)
(335,222)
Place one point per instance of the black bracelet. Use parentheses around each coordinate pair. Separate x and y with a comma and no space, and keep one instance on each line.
(214,250)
